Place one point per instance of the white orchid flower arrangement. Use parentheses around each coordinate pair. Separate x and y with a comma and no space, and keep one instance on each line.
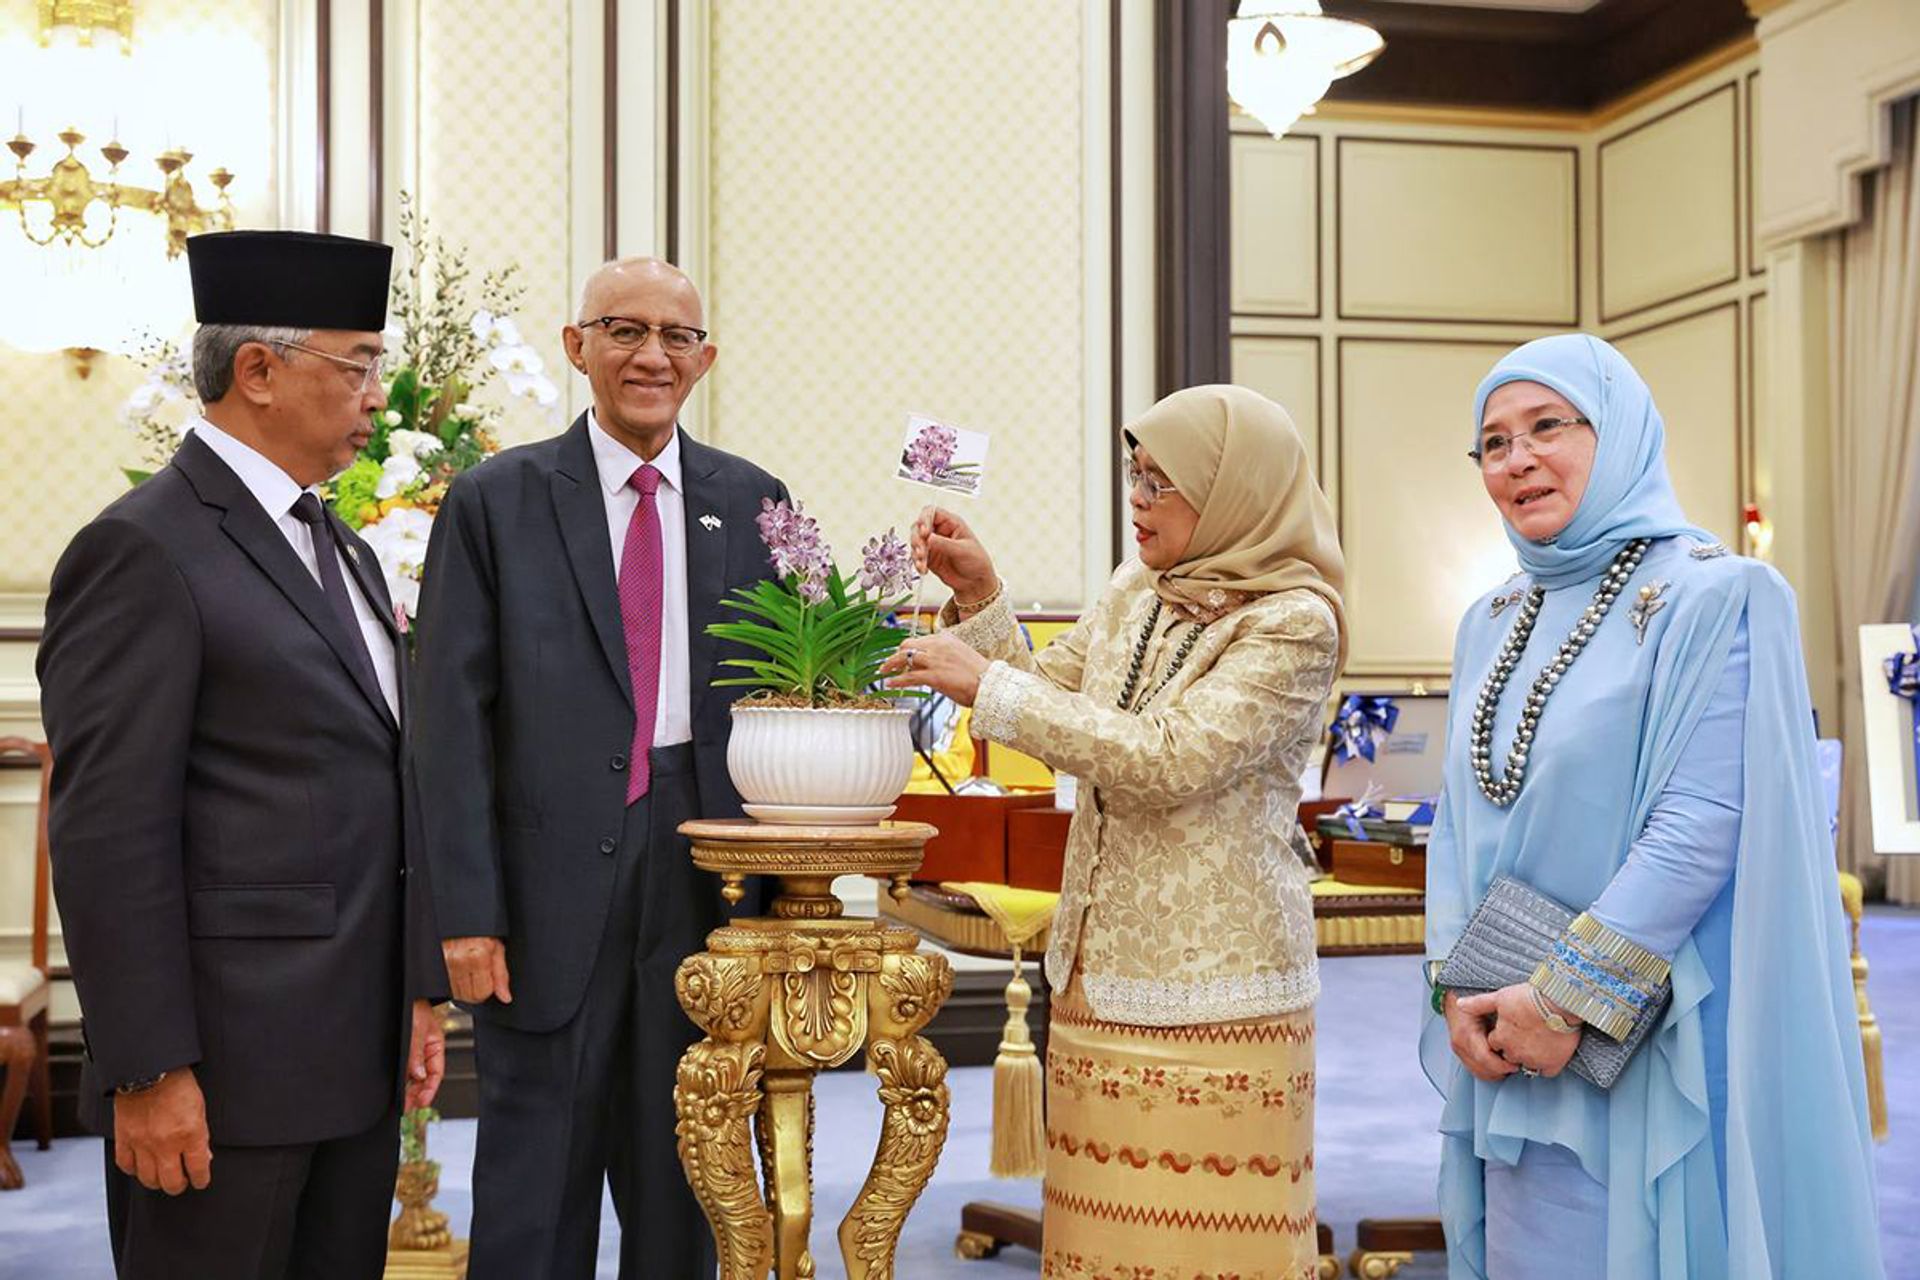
(443,345)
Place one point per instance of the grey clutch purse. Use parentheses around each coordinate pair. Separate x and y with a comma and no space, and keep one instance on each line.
(1512,931)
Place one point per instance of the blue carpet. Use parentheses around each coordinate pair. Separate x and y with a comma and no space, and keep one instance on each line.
(1377,1153)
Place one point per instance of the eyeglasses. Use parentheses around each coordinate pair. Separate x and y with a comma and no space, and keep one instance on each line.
(1145,483)
(631,335)
(1544,437)
(369,371)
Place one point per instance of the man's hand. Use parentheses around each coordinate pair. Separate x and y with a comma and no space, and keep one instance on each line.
(160,1135)
(477,968)
(426,1058)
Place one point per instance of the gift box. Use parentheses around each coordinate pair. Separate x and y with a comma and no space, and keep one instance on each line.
(972,844)
(1037,847)
(1372,862)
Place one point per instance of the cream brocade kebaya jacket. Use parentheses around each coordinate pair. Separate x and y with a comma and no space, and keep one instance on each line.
(1181,901)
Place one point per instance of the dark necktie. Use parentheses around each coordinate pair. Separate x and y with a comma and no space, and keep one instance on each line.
(641,586)
(326,553)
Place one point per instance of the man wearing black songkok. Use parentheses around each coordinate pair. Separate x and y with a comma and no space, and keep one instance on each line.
(252,950)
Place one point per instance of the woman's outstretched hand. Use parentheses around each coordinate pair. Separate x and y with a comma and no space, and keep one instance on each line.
(937,662)
(944,546)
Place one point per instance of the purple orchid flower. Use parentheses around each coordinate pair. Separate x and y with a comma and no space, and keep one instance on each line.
(930,452)
(886,565)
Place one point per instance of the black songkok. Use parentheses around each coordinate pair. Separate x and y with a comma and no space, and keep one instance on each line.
(289,279)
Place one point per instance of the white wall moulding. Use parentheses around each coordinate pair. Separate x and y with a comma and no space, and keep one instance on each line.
(1286,371)
(1669,222)
(1693,365)
(1275,213)
(1433,229)
(1422,538)
(1832,69)
(1750,170)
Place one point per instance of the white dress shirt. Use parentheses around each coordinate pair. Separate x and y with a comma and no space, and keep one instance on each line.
(673,716)
(276,492)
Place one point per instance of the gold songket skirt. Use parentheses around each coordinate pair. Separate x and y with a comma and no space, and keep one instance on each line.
(1179,1153)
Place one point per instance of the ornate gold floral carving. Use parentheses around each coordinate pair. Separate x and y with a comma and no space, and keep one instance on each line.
(821,1015)
(717,1092)
(720,993)
(913,1088)
(915,986)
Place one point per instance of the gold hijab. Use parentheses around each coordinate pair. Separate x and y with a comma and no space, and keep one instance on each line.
(1237,458)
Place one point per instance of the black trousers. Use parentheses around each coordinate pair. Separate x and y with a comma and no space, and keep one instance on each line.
(564,1111)
(313,1211)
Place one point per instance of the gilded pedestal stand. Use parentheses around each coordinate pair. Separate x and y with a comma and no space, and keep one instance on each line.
(782,997)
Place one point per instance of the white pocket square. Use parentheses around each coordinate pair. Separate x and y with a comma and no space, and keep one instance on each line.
(710,523)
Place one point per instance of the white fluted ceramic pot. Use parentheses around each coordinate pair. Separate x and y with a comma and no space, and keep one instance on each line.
(820,766)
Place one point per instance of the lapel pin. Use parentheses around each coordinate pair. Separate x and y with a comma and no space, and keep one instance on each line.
(353,554)
(710,522)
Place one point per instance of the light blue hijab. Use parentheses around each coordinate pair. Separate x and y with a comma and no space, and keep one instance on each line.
(1770,1175)
(1628,493)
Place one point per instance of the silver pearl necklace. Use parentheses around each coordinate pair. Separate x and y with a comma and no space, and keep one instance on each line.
(1503,791)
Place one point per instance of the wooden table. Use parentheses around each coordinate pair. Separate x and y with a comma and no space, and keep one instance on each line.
(1349,920)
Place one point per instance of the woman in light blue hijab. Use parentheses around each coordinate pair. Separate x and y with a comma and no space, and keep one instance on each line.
(1631,735)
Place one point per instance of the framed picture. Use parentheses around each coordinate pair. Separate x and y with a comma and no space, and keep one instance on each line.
(1893,792)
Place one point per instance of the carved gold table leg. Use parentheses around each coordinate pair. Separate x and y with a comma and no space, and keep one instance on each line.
(782,998)
(786,1122)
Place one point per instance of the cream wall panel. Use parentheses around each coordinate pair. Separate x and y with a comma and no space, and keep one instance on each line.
(896,223)
(1276,216)
(64,443)
(1668,191)
(495,156)
(1422,539)
(1458,231)
(1287,371)
(1693,367)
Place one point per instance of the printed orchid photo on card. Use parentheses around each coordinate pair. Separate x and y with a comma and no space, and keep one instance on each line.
(942,456)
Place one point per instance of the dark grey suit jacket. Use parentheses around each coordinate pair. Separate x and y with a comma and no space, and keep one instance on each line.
(228,820)
(523,712)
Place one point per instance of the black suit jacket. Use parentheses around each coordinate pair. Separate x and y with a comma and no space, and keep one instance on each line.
(228,820)
(524,710)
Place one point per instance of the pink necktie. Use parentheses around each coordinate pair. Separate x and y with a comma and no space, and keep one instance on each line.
(640,591)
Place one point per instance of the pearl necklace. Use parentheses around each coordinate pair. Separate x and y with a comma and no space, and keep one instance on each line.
(1505,790)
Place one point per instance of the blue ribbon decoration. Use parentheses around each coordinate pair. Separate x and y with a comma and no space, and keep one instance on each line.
(1903,681)
(1365,805)
(1359,724)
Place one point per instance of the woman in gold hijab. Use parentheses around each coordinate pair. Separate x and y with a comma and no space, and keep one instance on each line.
(1180,1063)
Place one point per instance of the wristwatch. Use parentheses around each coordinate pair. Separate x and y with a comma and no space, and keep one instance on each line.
(1550,1015)
(142,1085)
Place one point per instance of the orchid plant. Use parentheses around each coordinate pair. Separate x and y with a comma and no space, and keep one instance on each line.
(820,638)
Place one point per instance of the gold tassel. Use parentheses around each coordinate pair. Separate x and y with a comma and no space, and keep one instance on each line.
(1852,897)
(1019,1132)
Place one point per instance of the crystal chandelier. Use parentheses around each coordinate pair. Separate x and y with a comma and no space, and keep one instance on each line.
(1283,54)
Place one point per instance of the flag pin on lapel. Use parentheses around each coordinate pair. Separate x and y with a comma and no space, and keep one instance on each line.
(710,522)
